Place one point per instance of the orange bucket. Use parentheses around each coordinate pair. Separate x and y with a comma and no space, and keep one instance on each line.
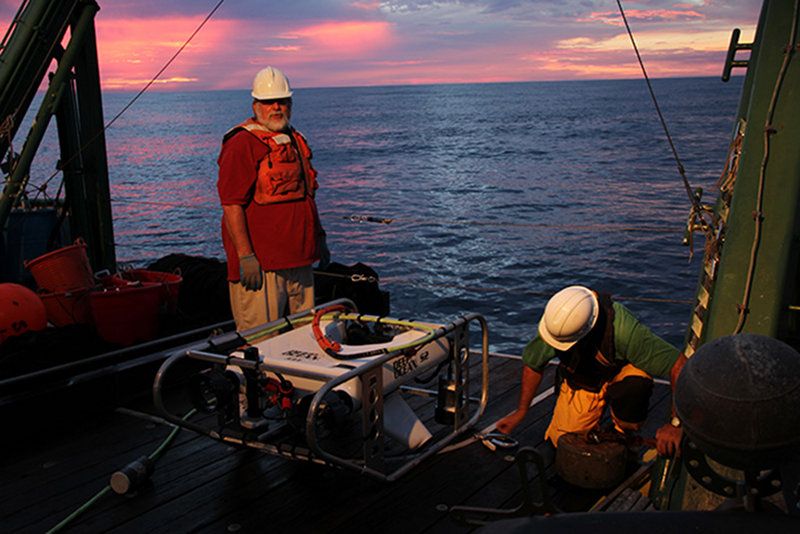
(63,269)
(67,307)
(126,314)
(170,285)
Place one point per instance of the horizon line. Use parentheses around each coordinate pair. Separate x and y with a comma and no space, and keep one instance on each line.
(154,89)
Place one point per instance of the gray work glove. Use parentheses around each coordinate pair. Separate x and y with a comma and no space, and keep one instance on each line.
(250,275)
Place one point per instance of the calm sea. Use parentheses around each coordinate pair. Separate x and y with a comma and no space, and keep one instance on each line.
(498,194)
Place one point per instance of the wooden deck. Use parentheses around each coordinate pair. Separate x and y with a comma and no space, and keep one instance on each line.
(201,485)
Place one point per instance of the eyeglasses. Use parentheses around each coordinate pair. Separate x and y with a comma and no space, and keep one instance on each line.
(283,102)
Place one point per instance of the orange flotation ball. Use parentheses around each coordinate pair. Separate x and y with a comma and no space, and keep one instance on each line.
(21,310)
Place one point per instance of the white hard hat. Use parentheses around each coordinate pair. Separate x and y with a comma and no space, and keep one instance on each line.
(270,83)
(569,315)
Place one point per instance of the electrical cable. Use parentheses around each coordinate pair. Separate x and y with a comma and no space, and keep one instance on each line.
(769,130)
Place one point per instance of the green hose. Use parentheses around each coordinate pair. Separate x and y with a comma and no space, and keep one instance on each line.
(80,510)
(153,457)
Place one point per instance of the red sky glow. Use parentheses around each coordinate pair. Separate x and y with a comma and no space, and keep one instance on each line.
(339,43)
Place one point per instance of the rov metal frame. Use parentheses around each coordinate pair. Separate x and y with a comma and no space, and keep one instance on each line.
(373,461)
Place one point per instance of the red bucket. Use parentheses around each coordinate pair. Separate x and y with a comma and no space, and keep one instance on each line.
(67,307)
(63,269)
(126,314)
(170,285)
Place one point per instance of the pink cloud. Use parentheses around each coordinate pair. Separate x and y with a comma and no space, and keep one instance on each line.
(402,63)
(366,5)
(350,38)
(282,48)
(644,15)
(131,52)
(362,42)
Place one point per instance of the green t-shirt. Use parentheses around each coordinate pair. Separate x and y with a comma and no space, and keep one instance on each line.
(633,342)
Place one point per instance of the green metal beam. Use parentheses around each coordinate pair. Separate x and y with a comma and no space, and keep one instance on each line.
(19,175)
(763,218)
(32,40)
(754,287)
(99,235)
(69,141)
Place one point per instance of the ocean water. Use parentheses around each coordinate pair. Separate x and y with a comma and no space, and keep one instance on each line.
(498,194)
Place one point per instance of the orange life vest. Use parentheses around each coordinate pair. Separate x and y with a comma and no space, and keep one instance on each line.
(285,174)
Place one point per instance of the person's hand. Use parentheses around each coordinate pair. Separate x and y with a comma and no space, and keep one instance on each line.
(507,423)
(325,258)
(250,275)
(668,440)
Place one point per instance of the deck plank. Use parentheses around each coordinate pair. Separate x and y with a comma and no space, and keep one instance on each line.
(202,485)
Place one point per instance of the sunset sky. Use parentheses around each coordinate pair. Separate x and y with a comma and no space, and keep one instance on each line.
(323,43)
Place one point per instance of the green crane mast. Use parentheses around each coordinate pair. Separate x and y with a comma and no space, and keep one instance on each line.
(32,44)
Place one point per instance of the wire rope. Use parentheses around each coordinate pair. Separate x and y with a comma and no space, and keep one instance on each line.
(385,220)
(692,197)
(10,120)
(361,218)
(138,95)
(523,291)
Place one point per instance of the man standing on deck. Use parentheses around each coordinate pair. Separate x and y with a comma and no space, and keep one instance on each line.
(270,227)
(606,357)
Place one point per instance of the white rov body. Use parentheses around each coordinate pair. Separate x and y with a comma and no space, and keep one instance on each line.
(330,372)
(298,357)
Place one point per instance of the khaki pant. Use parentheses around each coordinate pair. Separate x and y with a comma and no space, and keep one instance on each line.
(284,292)
(579,411)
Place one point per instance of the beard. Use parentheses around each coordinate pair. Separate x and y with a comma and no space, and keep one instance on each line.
(275,121)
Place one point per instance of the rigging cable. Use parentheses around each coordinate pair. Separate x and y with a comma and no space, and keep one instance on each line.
(384,220)
(363,218)
(48,57)
(692,196)
(393,280)
(10,120)
(139,94)
(769,129)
